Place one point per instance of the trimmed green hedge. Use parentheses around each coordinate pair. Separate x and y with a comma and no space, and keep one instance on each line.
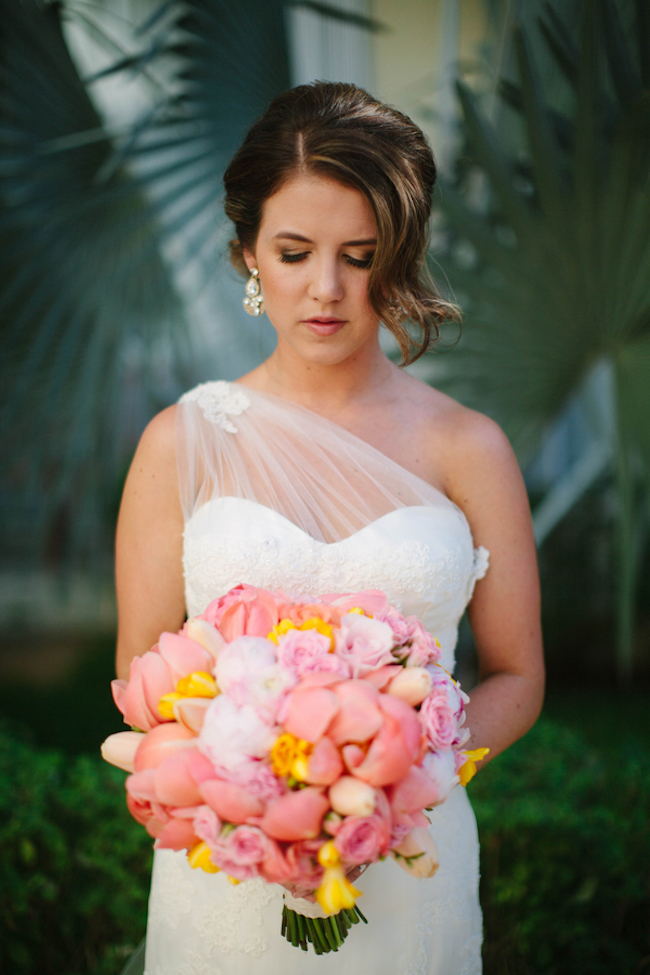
(74,865)
(565,857)
(565,861)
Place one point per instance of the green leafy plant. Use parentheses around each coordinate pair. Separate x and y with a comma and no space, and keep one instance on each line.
(556,278)
(565,841)
(74,866)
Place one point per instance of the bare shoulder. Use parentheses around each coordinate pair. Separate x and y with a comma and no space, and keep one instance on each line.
(473,458)
(153,472)
(158,441)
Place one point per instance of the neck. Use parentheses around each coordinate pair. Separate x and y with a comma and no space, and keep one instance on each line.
(323,388)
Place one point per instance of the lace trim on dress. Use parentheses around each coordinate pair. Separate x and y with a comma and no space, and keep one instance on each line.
(219,400)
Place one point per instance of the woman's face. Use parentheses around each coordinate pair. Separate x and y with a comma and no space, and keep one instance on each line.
(316,240)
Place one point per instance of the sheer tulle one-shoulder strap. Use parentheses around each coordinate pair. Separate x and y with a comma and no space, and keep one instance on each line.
(236,442)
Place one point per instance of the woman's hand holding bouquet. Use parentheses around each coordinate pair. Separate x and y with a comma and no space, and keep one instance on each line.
(295,742)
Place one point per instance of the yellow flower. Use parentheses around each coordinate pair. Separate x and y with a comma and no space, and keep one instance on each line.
(335,892)
(166,704)
(467,771)
(300,764)
(280,629)
(328,855)
(316,623)
(233,880)
(283,753)
(199,856)
(198,684)
(357,609)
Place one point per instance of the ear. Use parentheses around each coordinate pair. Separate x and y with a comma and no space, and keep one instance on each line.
(249,257)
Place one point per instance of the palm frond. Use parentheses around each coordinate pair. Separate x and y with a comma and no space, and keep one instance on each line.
(82,286)
(562,269)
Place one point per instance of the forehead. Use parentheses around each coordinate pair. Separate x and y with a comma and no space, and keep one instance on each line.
(318,208)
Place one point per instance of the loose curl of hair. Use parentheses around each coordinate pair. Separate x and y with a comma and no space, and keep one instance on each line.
(341,132)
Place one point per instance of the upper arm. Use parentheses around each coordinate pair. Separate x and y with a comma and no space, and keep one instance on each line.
(486,482)
(148,554)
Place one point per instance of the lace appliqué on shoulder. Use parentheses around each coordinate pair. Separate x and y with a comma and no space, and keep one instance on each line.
(219,400)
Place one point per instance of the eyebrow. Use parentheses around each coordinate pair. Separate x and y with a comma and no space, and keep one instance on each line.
(287,235)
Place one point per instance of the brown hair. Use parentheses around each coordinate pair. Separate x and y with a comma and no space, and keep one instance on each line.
(340,131)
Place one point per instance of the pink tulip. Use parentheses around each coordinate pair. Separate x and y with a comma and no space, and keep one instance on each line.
(310,712)
(296,815)
(417,853)
(353,756)
(411,685)
(174,783)
(190,712)
(325,764)
(395,748)
(160,742)
(183,656)
(141,785)
(243,611)
(120,749)
(415,792)
(231,802)
(350,796)
(358,717)
(177,834)
(137,699)
(382,676)
(206,635)
(200,768)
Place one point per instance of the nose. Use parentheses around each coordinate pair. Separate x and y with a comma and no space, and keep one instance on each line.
(326,284)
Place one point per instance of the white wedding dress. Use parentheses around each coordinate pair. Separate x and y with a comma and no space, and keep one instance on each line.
(279,497)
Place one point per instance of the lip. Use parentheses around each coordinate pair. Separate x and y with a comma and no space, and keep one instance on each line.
(324,326)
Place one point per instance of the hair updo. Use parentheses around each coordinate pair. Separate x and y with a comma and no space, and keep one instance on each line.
(339,131)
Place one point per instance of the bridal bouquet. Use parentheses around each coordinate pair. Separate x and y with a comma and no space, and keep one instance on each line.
(294,741)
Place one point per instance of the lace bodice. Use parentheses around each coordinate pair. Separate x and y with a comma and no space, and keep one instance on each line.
(380,527)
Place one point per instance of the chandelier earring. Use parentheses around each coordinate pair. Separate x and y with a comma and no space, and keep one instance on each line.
(253,302)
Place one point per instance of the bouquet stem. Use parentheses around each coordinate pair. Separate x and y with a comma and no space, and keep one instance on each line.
(324,934)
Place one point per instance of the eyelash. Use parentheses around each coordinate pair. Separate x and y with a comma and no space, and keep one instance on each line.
(296,258)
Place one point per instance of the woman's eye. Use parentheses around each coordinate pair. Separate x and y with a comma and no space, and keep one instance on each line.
(355,262)
(292,258)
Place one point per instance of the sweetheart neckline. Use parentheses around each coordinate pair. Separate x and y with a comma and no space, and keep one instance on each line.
(316,541)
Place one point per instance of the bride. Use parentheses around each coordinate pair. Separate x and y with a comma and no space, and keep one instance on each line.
(330,469)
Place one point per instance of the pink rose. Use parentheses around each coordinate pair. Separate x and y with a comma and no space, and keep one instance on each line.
(365,644)
(239,851)
(207,825)
(331,663)
(438,720)
(244,610)
(424,649)
(398,624)
(302,858)
(256,778)
(299,647)
(456,699)
(362,839)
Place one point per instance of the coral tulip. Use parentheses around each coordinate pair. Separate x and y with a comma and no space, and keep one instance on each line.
(119,749)
(296,815)
(310,712)
(231,802)
(417,853)
(324,765)
(161,742)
